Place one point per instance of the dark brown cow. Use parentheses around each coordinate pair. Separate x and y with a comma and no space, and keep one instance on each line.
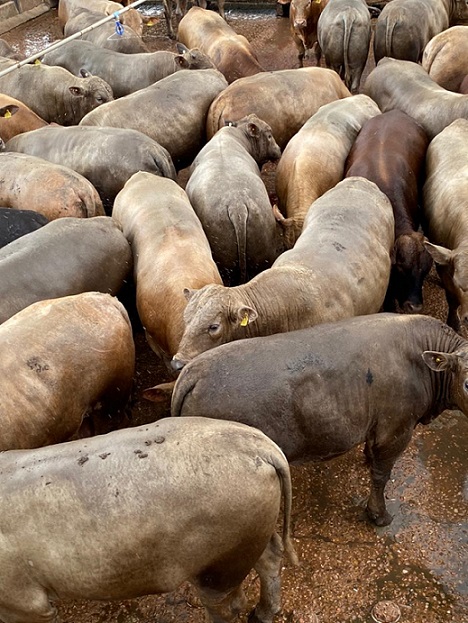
(303,17)
(390,151)
(232,54)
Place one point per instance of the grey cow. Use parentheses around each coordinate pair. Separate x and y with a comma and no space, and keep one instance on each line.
(141,510)
(228,194)
(172,112)
(66,256)
(320,392)
(125,73)
(54,93)
(107,157)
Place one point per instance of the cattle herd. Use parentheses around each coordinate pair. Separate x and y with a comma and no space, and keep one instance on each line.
(371,181)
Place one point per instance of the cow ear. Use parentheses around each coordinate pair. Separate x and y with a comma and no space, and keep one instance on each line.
(252,129)
(84,73)
(181,48)
(440,255)
(76,91)
(159,393)
(439,361)
(7,111)
(188,293)
(246,315)
(181,61)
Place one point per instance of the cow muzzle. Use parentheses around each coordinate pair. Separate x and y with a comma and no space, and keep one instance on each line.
(177,364)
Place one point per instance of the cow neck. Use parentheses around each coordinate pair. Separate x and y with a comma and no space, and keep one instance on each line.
(264,294)
(447,341)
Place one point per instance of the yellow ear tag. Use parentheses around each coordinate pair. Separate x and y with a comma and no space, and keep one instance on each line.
(150,23)
(245,320)
(317,1)
(37,62)
(438,360)
(7,115)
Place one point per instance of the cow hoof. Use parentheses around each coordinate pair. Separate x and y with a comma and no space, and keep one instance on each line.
(380,520)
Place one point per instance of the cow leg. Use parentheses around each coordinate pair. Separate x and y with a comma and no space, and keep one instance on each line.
(168,17)
(28,606)
(268,568)
(300,57)
(222,607)
(452,319)
(382,458)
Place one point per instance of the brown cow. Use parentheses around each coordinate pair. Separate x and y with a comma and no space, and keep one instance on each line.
(69,8)
(445,57)
(405,27)
(339,267)
(390,151)
(303,17)
(344,34)
(58,359)
(171,252)
(314,159)
(209,32)
(16,118)
(284,99)
(446,218)
(30,183)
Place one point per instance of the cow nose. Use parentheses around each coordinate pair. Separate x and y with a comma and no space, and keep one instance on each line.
(300,23)
(177,364)
(412,308)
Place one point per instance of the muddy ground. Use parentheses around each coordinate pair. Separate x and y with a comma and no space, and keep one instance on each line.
(420,561)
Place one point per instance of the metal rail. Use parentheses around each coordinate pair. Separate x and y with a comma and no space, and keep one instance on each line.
(76,35)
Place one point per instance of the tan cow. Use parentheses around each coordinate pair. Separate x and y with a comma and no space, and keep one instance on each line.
(16,117)
(303,17)
(30,183)
(314,159)
(445,57)
(232,54)
(58,359)
(284,99)
(407,86)
(405,27)
(338,268)
(171,253)
(446,218)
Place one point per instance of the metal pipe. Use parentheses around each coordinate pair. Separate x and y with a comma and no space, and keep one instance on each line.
(58,44)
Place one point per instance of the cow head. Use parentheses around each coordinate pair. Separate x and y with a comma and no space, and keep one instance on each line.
(88,93)
(456,365)
(452,266)
(214,315)
(411,262)
(192,59)
(263,146)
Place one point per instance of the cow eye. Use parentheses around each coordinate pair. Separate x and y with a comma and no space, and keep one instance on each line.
(213,328)
(465,385)
(99,99)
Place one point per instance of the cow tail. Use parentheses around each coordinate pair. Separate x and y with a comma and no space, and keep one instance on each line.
(282,469)
(348,22)
(238,216)
(389,38)
(184,385)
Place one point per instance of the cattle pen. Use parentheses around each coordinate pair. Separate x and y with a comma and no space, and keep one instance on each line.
(347,565)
